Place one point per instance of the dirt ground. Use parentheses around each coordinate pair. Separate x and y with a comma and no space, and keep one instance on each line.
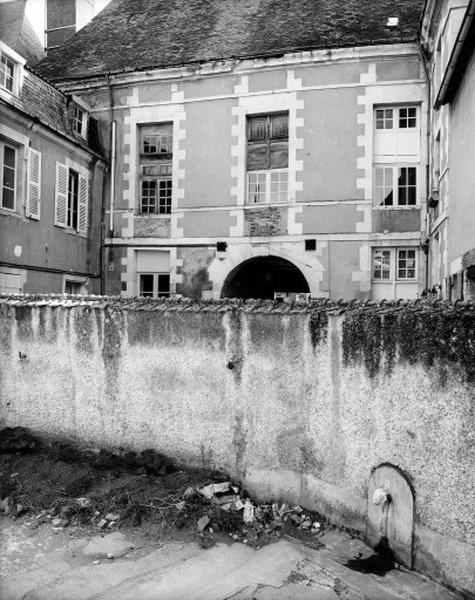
(56,483)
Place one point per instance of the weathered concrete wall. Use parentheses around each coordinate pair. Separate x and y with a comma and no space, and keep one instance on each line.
(299,403)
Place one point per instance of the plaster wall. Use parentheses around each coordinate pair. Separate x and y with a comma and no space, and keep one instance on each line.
(39,243)
(288,418)
(462,175)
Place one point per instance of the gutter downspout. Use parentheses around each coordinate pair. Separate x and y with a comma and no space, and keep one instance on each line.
(428,173)
(112,159)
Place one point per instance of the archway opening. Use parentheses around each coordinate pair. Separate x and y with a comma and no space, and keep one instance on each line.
(262,277)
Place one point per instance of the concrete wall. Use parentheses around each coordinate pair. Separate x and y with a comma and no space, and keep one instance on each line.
(273,395)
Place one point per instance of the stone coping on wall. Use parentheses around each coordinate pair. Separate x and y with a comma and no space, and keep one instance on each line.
(255,306)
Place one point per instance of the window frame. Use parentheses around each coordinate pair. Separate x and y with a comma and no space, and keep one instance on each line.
(4,59)
(267,183)
(395,117)
(393,268)
(156,292)
(63,212)
(79,120)
(159,203)
(3,145)
(396,188)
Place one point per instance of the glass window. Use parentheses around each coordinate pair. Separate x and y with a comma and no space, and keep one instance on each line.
(279,186)
(78,117)
(407,186)
(384,186)
(156,164)
(73,199)
(146,285)
(257,187)
(408,118)
(7,72)
(384,118)
(406,264)
(154,285)
(381,264)
(8,176)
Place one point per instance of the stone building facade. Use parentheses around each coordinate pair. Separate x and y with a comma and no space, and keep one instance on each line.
(255,165)
(448,41)
(51,186)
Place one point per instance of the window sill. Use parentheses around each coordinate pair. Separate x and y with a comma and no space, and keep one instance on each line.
(394,281)
(386,208)
(268,205)
(71,231)
(153,215)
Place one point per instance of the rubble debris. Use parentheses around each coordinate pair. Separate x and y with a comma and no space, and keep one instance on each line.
(112,516)
(102,523)
(202,523)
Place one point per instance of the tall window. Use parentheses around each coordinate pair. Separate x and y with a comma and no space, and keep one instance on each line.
(156,156)
(268,158)
(79,121)
(8,158)
(7,72)
(73,199)
(395,186)
(381,264)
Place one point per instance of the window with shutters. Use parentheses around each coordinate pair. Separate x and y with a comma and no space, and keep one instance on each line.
(8,175)
(155,166)
(267,158)
(72,194)
(33,193)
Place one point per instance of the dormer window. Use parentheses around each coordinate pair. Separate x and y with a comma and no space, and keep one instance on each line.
(79,121)
(7,72)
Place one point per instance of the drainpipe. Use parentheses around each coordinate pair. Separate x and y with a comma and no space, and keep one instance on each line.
(112,171)
(428,173)
(112,159)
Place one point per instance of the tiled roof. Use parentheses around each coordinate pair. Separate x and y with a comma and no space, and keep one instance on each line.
(133,35)
(42,101)
(18,33)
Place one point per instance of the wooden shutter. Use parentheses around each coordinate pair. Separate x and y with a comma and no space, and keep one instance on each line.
(61,197)
(83,204)
(33,195)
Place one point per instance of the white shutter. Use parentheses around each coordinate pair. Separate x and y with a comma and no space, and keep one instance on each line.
(33,195)
(61,199)
(83,204)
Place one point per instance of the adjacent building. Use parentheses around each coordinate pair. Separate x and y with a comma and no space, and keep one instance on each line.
(448,41)
(257,149)
(51,176)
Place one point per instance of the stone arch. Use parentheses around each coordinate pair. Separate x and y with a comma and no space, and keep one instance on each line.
(262,276)
(391,512)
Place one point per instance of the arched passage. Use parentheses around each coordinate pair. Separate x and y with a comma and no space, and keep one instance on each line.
(262,276)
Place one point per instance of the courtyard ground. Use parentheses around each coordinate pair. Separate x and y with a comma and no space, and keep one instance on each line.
(95,525)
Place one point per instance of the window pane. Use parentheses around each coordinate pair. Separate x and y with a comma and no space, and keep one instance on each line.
(165,196)
(157,140)
(9,157)
(381,264)
(163,285)
(257,129)
(406,268)
(7,71)
(149,197)
(384,186)
(407,186)
(279,126)
(279,186)
(8,199)
(146,285)
(73,199)
(257,188)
